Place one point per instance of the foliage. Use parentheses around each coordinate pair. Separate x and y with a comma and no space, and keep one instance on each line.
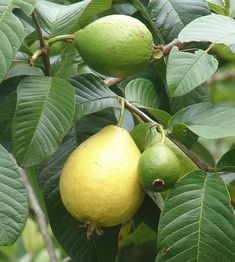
(51,101)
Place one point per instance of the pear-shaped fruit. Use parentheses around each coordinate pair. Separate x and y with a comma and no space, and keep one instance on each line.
(115,45)
(158,168)
(99,183)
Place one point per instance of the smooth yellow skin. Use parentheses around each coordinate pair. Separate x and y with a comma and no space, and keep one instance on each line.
(99,184)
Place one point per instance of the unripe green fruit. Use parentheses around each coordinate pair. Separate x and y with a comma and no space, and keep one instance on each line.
(115,45)
(158,168)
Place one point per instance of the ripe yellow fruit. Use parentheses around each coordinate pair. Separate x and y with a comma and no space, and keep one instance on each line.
(99,183)
(115,45)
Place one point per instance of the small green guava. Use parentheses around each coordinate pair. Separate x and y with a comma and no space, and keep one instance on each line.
(115,45)
(158,168)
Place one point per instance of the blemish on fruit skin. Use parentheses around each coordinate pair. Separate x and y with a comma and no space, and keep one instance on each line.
(158,183)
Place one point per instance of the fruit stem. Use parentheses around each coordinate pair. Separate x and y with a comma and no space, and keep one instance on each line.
(121,116)
(49,42)
(161,131)
(146,118)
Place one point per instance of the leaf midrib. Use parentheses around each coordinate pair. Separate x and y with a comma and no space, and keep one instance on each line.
(200,217)
(43,107)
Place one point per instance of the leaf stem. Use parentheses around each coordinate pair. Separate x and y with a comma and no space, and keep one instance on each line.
(122,109)
(60,38)
(49,42)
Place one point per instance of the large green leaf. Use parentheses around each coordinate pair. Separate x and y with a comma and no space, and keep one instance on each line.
(66,229)
(26,5)
(44,113)
(60,19)
(92,95)
(206,120)
(13,200)
(186,71)
(140,92)
(12,34)
(227,161)
(67,63)
(92,8)
(197,222)
(211,28)
(7,111)
(197,95)
(171,16)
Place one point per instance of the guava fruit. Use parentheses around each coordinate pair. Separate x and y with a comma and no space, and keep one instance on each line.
(99,182)
(115,45)
(158,168)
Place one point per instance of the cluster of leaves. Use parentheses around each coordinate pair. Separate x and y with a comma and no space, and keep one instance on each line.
(43,118)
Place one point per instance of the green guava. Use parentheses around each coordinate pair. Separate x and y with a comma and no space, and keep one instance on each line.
(158,168)
(115,45)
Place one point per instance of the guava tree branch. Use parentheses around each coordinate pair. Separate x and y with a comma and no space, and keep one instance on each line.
(39,216)
(146,118)
(43,45)
(220,77)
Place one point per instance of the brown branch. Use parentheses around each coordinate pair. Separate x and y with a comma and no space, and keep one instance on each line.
(43,45)
(39,216)
(167,48)
(111,81)
(220,77)
(146,118)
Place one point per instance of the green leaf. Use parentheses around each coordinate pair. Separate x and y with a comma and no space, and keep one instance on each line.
(206,120)
(57,19)
(67,63)
(197,223)
(160,116)
(44,113)
(13,200)
(137,245)
(197,95)
(218,6)
(93,8)
(7,111)
(212,28)
(12,34)
(186,71)
(140,92)
(227,162)
(26,5)
(92,95)
(19,68)
(66,229)
(173,15)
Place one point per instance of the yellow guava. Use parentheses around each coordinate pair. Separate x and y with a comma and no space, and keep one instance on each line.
(115,45)
(99,183)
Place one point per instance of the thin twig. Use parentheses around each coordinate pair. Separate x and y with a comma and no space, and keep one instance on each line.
(220,77)
(39,216)
(146,118)
(43,45)
(111,81)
